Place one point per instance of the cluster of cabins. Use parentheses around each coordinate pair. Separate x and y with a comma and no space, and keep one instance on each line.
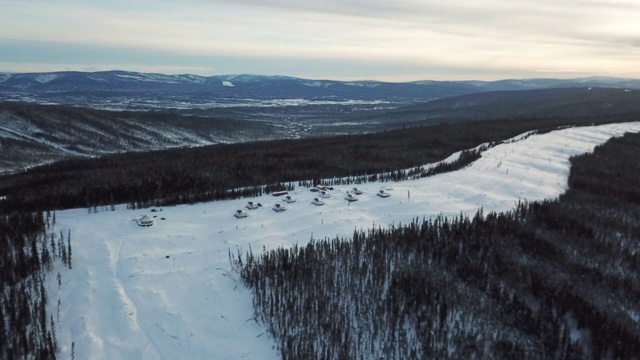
(322,193)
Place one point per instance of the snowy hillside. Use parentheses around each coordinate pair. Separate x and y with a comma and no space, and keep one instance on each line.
(34,135)
(133,90)
(165,291)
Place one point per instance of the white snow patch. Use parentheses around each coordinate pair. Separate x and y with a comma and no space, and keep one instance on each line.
(365,84)
(424,82)
(227,83)
(195,79)
(317,84)
(96,78)
(138,77)
(157,78)
(45,78)
(166,291)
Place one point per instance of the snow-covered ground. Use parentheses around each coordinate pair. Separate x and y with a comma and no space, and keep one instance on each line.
(165,291)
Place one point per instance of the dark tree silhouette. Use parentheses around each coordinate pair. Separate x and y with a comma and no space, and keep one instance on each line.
(515,285)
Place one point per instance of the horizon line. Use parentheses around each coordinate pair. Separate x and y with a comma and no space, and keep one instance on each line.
(594,77)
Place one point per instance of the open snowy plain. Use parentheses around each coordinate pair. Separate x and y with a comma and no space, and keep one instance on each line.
(166,291)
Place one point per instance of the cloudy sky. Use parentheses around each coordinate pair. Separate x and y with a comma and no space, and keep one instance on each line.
(392,40)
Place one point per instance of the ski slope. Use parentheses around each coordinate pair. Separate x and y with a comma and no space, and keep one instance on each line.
(165,291)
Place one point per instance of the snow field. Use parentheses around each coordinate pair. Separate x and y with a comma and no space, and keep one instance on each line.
(166,291)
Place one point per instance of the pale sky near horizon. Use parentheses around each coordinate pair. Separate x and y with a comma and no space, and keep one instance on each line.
(399,40)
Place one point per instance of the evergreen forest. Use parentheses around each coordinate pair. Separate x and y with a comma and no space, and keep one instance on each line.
(548,280)
(551,280)
(30,253)
(189,175)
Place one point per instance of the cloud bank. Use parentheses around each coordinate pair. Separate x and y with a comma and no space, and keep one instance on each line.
(347,39)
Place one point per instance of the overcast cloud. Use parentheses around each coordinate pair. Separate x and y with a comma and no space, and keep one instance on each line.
(348,39)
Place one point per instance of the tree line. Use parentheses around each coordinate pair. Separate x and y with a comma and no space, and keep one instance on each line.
(29,251)
(179,176)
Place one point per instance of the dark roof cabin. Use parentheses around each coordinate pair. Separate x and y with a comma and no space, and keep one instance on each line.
(240,214)
(383,193)
(252,205)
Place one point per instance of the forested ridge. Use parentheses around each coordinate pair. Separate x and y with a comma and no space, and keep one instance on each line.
(32,134)
(548,280)
(207,173)
(30,251)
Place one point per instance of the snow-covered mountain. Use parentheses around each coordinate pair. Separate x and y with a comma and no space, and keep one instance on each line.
(58,86)
(167,291)
(223,86)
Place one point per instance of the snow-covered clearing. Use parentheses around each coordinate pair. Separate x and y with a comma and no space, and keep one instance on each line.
(165,291)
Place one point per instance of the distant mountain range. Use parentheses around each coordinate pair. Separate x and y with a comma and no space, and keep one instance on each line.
(539,103)
(46,117)
(56,86)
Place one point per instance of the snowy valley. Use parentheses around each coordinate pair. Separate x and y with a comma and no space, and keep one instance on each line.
(168,291)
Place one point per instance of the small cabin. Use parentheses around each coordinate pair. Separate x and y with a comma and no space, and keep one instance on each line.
(288,199)
(317,201)
(383,193)
(252,205)
(351,197)
(145,221)
(239,214)
(324,194)
(356,191)
(278,208)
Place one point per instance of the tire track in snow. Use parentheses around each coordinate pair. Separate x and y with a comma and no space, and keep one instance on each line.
(131,308)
